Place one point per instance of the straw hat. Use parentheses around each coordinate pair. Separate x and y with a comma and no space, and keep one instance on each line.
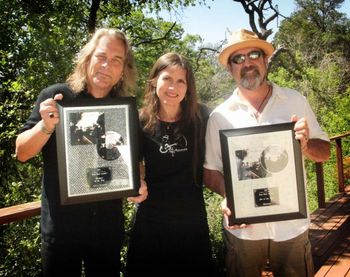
(244,39)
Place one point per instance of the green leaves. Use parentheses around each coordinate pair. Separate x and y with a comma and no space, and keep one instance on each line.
(317,64)
(38,42)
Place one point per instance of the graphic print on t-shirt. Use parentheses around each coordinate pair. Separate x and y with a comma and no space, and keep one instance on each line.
(174,145)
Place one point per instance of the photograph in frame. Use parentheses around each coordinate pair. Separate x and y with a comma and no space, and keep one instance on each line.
(264,176)
(97,149)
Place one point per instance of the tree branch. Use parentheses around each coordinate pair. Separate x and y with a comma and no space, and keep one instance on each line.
(258,7)
(146,41)
(95,5)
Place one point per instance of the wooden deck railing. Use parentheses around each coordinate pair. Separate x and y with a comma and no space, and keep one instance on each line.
(340,170)
(27,210)
(18,212)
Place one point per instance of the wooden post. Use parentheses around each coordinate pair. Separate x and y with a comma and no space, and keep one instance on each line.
(340,166)
(320,185)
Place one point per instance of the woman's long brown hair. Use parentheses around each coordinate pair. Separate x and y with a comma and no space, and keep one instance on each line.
(190,115)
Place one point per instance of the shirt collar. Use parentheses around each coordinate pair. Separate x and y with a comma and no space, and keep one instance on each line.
(234,102)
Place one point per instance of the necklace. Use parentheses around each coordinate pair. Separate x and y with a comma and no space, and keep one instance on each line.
(167,128)
(167,125)
(258,110)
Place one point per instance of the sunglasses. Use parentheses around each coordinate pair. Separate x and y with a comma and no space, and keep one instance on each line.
(240,58)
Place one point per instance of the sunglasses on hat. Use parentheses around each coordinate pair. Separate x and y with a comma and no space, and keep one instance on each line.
(240,58)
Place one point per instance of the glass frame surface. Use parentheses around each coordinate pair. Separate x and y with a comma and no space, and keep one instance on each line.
(97,149)
(264,174)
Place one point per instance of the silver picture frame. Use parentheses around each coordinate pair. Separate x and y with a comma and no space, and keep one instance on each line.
(97,149)
(264,174)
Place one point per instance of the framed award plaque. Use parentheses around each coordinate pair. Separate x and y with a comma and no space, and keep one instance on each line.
(264,176)
(97,149)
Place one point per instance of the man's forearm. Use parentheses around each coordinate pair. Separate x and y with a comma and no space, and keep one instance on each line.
(214,180)
(316,150)
(30,142)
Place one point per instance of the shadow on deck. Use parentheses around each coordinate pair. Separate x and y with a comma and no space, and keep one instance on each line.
(330,237)
(329,234)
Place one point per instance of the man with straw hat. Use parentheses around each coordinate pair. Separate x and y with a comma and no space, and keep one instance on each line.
(256,101)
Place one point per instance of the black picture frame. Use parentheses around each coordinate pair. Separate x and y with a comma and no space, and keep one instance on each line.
(264,174)
(97,149)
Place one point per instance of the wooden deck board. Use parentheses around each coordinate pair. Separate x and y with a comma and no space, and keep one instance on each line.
(330,238)
(339,263)
(334,230)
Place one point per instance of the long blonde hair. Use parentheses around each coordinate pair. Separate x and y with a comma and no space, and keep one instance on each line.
(78,78)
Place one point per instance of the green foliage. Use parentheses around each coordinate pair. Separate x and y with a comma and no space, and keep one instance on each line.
(283,78)
(316,28)
(37,47)
(19,244)
(214,215)
(129,212)
(39,40)
(336,118)
(214,83)
(330,181)
(316,63)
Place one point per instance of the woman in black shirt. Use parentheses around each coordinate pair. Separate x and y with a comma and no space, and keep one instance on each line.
(171,235)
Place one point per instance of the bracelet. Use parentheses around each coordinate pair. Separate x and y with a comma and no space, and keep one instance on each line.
(44,130)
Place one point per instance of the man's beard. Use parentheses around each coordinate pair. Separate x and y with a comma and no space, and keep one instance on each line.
(251,80)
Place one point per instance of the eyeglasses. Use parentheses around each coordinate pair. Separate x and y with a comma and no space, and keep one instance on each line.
(240,58)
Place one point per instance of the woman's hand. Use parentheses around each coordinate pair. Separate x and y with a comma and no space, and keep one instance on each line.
(143,193)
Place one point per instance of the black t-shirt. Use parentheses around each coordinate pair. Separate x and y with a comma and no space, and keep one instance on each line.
(87,223)
(173,193)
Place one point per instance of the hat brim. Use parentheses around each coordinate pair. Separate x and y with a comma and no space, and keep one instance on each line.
(252,43)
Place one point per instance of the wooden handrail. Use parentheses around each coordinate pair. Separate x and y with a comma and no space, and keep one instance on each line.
(340,170)
(340,136)
(27,210)
(18,212)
